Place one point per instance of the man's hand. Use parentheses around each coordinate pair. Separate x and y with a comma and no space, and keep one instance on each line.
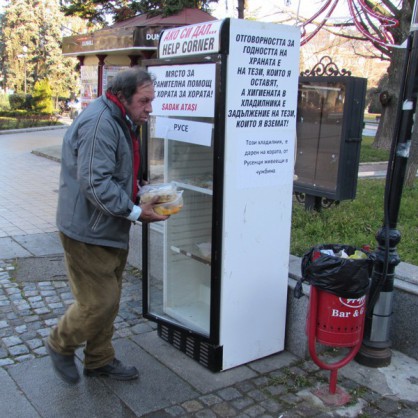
(148,214)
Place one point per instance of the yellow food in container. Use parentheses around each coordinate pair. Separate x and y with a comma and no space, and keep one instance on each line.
(170,208)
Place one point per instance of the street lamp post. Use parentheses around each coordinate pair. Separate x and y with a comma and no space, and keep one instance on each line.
(376,347)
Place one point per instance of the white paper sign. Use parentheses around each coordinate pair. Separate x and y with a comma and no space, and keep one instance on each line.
(263,71)
(184,90)
(198,133)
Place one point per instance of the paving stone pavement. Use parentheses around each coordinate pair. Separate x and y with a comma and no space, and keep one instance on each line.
(279,386)
(29,309)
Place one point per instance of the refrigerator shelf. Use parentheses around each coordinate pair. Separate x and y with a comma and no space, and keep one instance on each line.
(190,253)
(194,188)
(193,316)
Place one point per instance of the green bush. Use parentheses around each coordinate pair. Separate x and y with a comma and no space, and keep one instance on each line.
(42,97)
(4,102)
(17,101)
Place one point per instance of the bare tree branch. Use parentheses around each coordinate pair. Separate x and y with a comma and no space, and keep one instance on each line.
(382,49)
(388,4)
(371,24)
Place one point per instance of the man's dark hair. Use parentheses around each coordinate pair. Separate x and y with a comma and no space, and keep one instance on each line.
(127,81)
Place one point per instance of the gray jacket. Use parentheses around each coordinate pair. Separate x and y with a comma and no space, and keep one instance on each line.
(95,190)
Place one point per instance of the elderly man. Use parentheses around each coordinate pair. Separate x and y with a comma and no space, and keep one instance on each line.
(100,177)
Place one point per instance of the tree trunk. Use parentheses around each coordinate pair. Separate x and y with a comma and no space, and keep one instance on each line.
(241,8)
(385,131)
(412,165)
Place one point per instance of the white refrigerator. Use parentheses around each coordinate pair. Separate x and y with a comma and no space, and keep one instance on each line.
(222,130)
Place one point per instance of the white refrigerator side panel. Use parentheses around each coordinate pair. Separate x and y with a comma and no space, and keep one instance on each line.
(255,277)
(261,98)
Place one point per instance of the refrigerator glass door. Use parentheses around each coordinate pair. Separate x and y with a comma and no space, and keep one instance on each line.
(179,249)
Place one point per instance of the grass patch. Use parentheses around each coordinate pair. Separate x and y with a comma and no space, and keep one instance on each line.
(356,222)
(26,120)
(371,117)
(368,154)
(293,381)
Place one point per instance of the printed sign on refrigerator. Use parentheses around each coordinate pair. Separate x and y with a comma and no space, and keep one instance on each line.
(184,90)
(202,38)
(263,70)
(198,133)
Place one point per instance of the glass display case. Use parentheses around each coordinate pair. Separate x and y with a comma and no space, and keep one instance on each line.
(329,133)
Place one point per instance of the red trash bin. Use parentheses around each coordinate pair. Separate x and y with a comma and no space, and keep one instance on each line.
(339,321)
(337,305)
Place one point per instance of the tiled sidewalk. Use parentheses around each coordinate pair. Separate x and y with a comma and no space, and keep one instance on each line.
(28,192)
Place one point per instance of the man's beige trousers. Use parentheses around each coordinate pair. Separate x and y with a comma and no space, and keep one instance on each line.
(95,275)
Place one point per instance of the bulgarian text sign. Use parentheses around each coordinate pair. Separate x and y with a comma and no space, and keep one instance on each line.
(202,38)
(184,90)
(198,133)
(263,70)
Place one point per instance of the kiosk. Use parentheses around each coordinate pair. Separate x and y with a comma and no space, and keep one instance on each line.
(120,46)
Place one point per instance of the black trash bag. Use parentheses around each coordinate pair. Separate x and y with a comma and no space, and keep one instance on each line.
(343,277)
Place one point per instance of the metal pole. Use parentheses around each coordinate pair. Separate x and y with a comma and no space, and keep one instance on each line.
(376,347)
(241,8)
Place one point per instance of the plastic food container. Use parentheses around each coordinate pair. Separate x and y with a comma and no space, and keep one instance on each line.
(170,208)
(166,192)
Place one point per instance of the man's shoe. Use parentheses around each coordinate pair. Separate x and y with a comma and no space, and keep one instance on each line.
(63,365)
(115,370)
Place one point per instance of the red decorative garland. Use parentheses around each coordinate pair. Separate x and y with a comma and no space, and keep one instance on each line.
(357,8)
